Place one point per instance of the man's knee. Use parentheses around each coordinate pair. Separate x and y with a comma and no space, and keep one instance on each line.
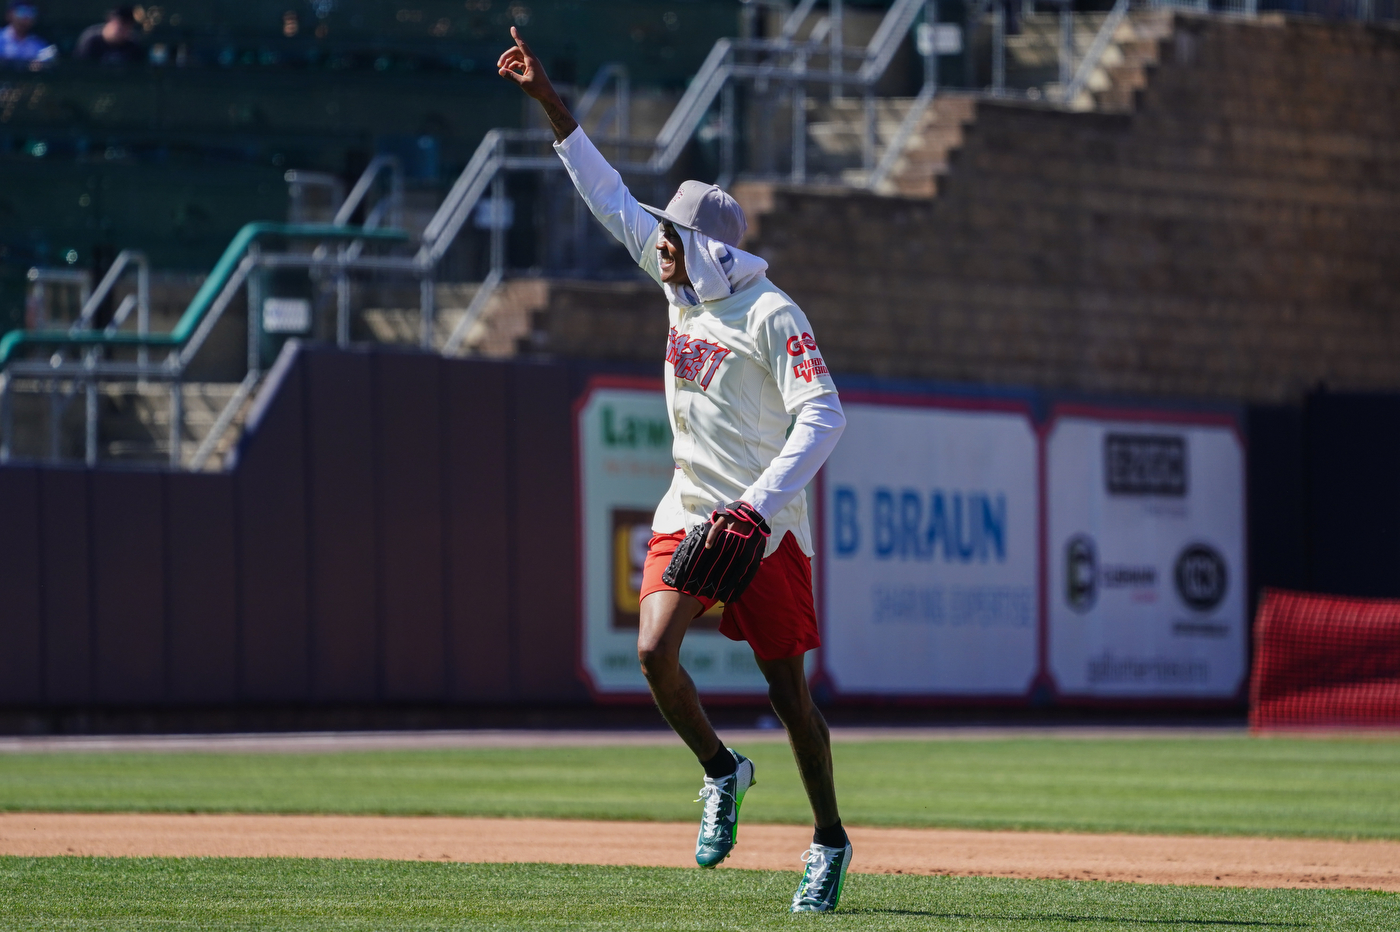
(790,699)
(657,660)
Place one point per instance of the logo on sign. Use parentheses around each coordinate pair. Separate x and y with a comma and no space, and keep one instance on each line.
(1201,577)
(1081,572)
(1145,464)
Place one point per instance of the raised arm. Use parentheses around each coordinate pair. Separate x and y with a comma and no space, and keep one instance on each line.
(598,182)
(520,65)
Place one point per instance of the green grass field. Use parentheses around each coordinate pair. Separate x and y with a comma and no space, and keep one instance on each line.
(379,896)
(1342,787)
(1230,784)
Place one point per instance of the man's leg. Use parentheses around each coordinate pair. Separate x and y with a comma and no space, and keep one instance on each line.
(728,775)
(807,733)
(830,855)
(664,619)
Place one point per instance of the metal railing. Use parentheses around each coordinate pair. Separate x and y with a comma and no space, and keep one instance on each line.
(84,358)
(38,298)
(1070,94)
(391,204)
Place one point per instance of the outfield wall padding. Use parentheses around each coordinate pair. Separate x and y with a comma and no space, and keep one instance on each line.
(384,536)
(398,529)
(1325,661)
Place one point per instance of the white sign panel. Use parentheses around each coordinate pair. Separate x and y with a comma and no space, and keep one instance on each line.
(1146,558)
(930,552)
(286,315)
(625,466)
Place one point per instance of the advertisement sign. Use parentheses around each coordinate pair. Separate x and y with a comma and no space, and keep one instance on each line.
(1146,555)
(625,466)
(930,551)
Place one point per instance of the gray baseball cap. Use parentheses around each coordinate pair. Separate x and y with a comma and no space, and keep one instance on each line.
(706,209)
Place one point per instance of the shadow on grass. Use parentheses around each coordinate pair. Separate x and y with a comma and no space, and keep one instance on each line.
(1060,917)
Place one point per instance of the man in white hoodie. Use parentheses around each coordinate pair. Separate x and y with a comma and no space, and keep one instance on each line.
(754,413)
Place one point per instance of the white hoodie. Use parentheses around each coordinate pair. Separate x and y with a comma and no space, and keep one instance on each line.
(741,361)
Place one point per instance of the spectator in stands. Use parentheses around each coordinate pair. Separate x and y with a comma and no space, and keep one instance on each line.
(113,42)
(18,44)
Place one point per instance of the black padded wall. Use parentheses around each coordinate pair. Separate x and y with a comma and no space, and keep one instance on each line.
(378,539)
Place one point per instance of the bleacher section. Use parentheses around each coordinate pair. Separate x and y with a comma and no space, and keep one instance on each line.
(1217,224)
(1233,235)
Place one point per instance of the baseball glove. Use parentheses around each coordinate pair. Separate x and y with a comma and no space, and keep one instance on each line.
(725,570)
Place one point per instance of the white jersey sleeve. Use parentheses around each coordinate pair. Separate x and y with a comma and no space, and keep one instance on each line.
(814,434)
(784,338)
(605,194)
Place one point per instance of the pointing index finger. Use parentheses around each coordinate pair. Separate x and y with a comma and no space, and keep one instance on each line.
(520,42)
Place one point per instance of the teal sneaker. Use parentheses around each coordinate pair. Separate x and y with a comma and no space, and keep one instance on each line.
(719,824)
(820,889)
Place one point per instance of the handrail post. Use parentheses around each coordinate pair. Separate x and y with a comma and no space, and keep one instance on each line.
(867,142)
(427,311)
(143,306)
(342,304)
(55,415)
(498,230)
(177,420)
(90,423)
(254,301)
(396,195)
(7,418)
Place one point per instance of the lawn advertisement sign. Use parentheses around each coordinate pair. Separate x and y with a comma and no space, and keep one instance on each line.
(1146,563)
(929,552)
(624,468)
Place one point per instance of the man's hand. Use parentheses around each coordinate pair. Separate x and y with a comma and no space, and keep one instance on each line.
(716,529)
(520,65)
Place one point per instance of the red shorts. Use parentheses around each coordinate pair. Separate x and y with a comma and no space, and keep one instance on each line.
(775,614)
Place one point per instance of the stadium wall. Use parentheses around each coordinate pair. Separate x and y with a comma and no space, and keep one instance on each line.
(400,530)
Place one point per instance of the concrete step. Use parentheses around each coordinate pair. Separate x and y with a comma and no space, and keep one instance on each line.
(497,332)
(133,421)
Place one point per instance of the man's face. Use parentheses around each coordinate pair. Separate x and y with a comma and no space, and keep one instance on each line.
(672,254)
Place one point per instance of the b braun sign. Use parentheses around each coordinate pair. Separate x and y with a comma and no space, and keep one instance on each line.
(929,550)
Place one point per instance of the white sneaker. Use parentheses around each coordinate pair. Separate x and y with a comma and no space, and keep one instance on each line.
(719,824)
(820,889)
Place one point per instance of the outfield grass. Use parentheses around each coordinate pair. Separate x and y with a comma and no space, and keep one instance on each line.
(215,893)
(1344,788)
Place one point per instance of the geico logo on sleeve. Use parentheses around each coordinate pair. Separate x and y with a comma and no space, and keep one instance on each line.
(808,368)
(693,358)
(796,346)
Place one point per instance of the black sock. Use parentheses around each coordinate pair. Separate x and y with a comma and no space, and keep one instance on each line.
(833,836)
(721,765)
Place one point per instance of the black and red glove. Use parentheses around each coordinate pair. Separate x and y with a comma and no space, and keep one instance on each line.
(724,571)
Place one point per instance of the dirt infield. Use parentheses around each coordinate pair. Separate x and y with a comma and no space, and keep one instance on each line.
(1235,862)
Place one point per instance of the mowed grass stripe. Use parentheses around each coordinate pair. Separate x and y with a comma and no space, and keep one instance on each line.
(1339,788)
(238,894)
